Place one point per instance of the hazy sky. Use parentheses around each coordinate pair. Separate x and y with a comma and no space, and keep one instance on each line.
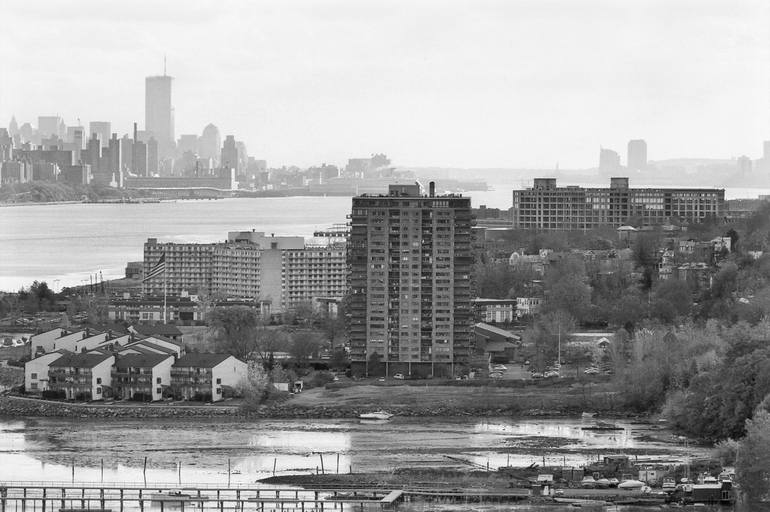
(508,83)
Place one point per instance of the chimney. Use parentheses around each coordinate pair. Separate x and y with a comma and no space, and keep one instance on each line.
(432,189)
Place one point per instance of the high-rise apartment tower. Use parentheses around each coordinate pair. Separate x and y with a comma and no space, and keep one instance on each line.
(410,258)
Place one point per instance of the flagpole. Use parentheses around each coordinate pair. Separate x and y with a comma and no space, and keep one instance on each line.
(165,292)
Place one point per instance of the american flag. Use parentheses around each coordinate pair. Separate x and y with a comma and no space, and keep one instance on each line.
(158,269)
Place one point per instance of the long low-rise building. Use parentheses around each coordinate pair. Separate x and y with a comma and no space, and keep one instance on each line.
(276,270)
(548,207)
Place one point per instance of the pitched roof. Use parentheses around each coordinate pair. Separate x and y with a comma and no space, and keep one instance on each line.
(140,360)
(162,329)
(149,344)
(200,360)
(496,330)
(88,360)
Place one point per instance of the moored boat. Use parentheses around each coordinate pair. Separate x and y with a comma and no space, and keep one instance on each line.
(376,415)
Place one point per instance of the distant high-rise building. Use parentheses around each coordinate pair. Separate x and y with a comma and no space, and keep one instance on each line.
(410,260)
(93,153)
(609,160)
(48,126)
(210,143)
(230,154)
(78,139)
(116,157)
(127,153)
(637,155)
(6,146)
(152,157)
(243,155)
(13,127)
(140,158)
(102,129)
(159,113)
(187,142)
(743,165)
(71,131)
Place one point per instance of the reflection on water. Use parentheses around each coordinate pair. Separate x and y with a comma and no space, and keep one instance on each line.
(48,449)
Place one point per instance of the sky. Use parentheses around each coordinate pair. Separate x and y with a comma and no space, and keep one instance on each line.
(477,83)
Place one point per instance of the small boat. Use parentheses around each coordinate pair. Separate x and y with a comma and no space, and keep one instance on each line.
(588,482)
(376,415)
(602,483)
(669,484)
(600,425)
(588,415)
(631,485)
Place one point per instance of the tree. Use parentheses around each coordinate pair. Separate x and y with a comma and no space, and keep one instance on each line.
(304,345)
(752,468)
(333,327)
(645,254)
(567,288)
(268,342)
(234,330)
(339,359)
(672,299)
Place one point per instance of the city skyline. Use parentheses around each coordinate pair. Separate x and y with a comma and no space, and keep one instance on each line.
(492,85)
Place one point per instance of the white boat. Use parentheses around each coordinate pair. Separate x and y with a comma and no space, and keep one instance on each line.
(631,485)
(376,415)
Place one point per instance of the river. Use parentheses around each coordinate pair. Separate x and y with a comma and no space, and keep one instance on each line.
(49,449)
(67,244)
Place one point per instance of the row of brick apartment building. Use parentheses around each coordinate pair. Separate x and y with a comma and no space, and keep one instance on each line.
(548,207)
(147,368)
(278,270)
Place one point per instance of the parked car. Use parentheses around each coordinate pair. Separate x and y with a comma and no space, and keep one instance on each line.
(591,371)
(551,374)
(537,375)
(499,367)
(399,376)
(496,375)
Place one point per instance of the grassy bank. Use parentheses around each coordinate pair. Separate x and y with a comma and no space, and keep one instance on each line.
(451,400)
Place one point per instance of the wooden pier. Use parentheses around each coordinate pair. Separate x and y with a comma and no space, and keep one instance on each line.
(54,497)
(115,497)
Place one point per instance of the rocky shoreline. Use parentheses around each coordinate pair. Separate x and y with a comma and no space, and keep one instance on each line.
(12,406)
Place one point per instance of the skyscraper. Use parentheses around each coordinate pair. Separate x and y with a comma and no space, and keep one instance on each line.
(102,129)
(609,161)
(127,153)
(152,157)
(48,126)
(410,261)
(637,155)
(230,154)
(187,142)
(159,113)
(210,143)
(116,158)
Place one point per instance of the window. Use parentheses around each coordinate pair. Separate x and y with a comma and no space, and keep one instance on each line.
(33,385)
(157,381)
(219,391)
(98,391)
(158,390)
(219,381)
(33,376)
(98,380)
